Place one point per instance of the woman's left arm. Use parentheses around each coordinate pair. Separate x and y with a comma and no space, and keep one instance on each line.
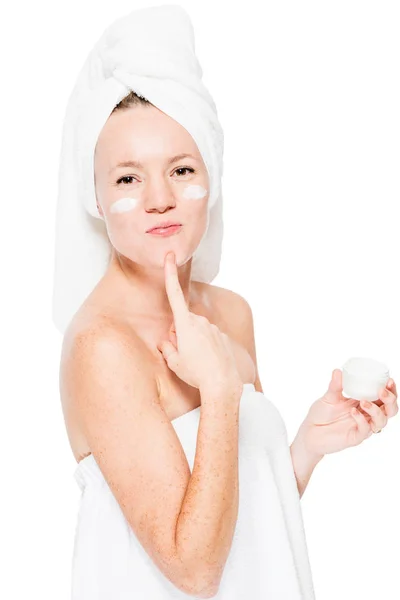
(333,422)
(303,462)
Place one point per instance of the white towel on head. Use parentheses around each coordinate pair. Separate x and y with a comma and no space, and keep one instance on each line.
(150,51)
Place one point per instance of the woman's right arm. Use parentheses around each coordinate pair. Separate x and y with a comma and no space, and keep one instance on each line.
(185,522)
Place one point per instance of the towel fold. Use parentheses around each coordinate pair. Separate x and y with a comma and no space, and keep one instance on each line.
(150,51)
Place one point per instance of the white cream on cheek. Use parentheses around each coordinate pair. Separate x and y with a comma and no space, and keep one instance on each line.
(194,192)
(191,192)
(123,205)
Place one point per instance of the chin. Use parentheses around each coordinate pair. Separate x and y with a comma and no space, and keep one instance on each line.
(181,256)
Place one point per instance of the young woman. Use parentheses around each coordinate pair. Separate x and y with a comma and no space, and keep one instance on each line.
(189,486)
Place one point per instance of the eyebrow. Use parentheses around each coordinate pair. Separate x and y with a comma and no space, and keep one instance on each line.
(138,165)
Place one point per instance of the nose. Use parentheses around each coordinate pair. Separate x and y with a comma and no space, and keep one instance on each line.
(159,196)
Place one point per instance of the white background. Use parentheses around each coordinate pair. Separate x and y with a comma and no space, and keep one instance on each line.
(308,96)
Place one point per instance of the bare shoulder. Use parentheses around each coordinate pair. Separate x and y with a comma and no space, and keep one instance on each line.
(132,442)
(88,353)
(230,309)
(232,313)
(100,341)
(83,341)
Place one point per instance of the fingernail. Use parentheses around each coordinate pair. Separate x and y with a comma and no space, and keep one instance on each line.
(389,383)
(366,404)
(385,393)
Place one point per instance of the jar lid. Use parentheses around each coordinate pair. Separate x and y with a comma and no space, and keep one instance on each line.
(365,367)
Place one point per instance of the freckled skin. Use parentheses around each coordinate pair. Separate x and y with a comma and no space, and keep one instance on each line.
(132,296)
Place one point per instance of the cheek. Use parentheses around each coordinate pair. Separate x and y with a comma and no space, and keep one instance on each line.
(194,192)
(123,205)
(121,223)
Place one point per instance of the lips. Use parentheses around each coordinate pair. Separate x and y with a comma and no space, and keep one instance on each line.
(164,225)
(165,231)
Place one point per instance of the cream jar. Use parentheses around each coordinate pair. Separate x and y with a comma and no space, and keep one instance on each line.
(363,378)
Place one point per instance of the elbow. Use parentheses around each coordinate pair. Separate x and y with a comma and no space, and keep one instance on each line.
(210,592)
(201,587)
(197,579)
(194,587)
(200,592)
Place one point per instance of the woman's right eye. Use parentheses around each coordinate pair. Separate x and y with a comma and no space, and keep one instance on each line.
(126,177)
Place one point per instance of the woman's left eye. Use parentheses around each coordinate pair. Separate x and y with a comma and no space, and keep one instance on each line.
(185,169)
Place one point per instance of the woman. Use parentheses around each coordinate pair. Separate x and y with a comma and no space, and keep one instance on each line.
(158,370)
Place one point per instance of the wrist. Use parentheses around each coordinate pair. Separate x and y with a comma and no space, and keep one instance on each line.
(304,461)
(221,389)
(303,452)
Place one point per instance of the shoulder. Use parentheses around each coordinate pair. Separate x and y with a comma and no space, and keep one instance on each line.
(234,316)
(100,356)
(98,342)
(230,307)
(95,358)
(232,313)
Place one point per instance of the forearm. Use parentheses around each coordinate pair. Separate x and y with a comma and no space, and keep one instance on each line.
(208,516)
(304,463)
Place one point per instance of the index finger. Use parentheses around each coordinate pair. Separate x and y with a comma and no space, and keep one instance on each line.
(174,291)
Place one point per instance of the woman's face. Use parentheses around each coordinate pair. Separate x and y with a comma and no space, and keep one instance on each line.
(135,197)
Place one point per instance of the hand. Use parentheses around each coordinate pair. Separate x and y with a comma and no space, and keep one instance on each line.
(197,351)
(330,425)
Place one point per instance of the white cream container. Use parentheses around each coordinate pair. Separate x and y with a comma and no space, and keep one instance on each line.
(363,378)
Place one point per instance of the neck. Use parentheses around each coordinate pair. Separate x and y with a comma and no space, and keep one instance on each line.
(141,289)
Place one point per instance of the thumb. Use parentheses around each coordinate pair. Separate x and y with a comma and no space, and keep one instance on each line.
(169,353)
(334,392)
(172,334)
(173,339)
(335,384)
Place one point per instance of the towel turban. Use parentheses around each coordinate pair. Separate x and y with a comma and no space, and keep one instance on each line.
(151,52)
